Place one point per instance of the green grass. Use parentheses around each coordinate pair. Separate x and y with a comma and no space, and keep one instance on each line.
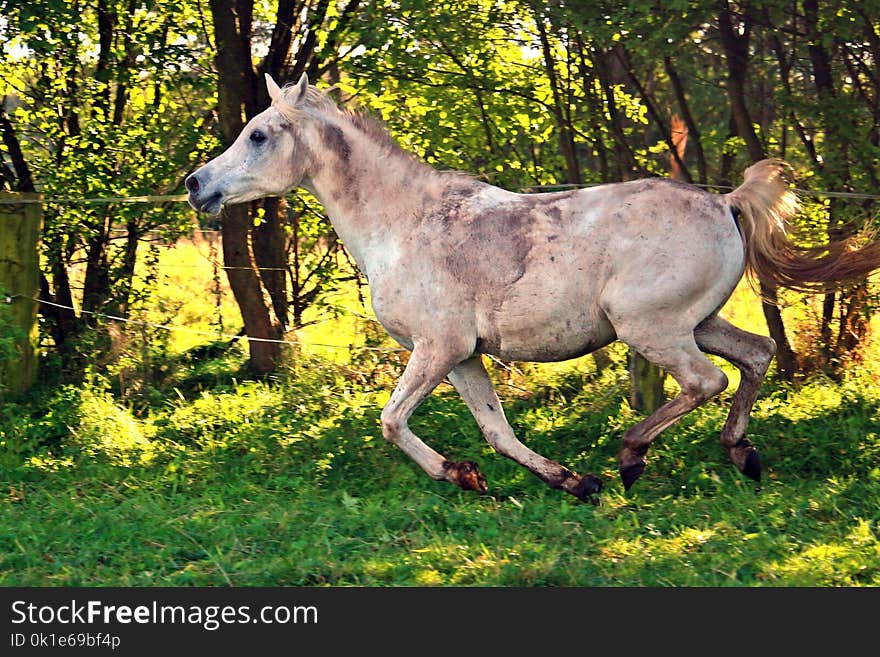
(180,471)
(290,483)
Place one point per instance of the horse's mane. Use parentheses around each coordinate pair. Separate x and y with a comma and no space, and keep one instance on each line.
(320,101)
(375,130)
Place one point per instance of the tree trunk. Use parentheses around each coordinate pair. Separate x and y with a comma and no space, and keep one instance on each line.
(246,289)
(684,108)
(268,244)
(651,106)
(786,360)
(129,260)
(566,137)
(852,306)
(236,98)
(646,384)
(736,50)
(594,109)
(96,287)
(626,161)
(64,322)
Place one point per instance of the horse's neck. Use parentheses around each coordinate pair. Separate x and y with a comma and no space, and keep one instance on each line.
(370,196)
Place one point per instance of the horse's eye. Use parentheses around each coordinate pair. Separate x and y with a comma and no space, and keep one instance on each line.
(258,136)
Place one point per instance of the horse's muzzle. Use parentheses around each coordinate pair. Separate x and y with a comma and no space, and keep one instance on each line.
(210,204)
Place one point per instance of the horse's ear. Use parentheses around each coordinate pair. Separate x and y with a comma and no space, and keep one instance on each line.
(274,89)
(302,86)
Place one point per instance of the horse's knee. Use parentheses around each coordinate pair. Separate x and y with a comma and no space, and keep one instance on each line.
(767,346)
(392,425)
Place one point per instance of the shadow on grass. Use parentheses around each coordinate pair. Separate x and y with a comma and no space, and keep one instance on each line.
(292,484)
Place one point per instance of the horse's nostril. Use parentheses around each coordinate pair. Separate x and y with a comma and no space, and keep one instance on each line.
(192,184)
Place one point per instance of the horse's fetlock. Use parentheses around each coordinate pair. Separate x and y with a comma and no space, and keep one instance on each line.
(586,487)
(465,475)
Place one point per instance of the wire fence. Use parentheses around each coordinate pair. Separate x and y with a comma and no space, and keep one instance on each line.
(211,263)
(73,200)
(213,334)
(182,198)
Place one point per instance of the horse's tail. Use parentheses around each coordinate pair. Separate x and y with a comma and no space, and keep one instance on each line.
(765,204)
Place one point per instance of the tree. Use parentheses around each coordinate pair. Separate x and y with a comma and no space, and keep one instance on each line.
(736,50)
(256,255)
(522,94)
(97,90)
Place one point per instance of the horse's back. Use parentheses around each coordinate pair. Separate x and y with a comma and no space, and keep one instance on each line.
(535,276)
(592,253)
(582,239)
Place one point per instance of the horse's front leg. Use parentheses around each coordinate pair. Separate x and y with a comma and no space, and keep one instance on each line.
(473,384)
(429,363)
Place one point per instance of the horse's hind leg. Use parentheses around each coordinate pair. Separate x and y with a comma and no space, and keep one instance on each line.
(699,380)
(473,384)
(751,354)
(427,366)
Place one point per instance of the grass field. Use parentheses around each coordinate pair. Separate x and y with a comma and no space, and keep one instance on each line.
(201,476)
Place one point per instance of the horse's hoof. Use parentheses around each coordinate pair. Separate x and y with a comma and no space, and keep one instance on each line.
(632,464)
(746,458)
(752,468)
(629,474)
(588,486)
(466,475)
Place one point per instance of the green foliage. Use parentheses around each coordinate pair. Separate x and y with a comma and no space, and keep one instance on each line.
(12,339)
(500,89)
(99,115)
(461,93)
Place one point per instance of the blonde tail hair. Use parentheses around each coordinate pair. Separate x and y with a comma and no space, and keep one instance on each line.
(766,205)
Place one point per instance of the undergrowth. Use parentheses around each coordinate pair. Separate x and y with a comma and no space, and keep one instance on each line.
(209,477)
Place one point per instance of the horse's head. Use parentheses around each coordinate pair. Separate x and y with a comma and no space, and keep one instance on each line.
(268,158)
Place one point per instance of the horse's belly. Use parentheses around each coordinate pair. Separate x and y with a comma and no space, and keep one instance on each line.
(552,348)
(549,324)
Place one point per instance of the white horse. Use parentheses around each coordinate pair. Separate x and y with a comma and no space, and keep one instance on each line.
(458,268)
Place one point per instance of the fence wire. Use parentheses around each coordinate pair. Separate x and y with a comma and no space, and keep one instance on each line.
(182,198)
(213,334)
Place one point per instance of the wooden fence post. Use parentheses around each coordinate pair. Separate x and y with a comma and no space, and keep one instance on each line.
(21,222)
